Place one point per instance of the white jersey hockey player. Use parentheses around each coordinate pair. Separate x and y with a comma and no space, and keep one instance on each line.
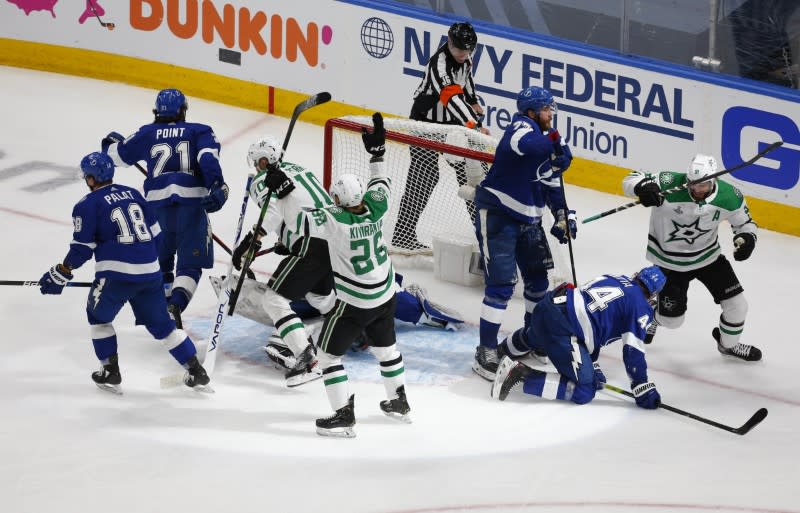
(305,272)
(683,242)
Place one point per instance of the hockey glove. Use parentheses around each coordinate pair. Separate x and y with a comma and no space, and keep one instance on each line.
(375,141)
(649,193)
(280,249)
(599,377)
(243,246)
(744,243)
(647,396)
(277,181)
(564,220)
(111,138)
(217,196)
(54,280)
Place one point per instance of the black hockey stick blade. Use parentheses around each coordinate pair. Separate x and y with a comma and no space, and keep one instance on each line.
(626,206)
(753,422)
(312,101)
(28,283)
(743,430)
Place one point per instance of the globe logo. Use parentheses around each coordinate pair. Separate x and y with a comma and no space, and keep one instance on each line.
(377,38)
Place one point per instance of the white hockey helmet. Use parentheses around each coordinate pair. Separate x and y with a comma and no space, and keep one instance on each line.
(347,191)
(701,167)
(267,147)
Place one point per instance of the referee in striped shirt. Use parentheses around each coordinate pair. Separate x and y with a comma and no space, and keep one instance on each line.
(445,96)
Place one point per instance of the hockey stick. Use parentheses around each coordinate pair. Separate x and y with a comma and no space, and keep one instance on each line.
(249,255)
(222,300)
(216,239)
(91,5)
(36,283)
(558,150)
(687,184)
(745,428)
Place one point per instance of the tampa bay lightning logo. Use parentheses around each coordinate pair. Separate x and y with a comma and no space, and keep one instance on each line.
(688,232)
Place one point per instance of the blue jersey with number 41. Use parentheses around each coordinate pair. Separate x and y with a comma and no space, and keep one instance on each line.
(116,225)
(611,308)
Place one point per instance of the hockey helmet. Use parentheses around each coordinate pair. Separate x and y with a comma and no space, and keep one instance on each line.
(99,166)
(347,191)
(701,167)
(652,279)
(265,148)
(463,36)
(535,98)
(170,103)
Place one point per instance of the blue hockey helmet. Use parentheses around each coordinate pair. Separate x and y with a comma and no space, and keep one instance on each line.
(98,165)
(535,98)
(170,103)
(652,278)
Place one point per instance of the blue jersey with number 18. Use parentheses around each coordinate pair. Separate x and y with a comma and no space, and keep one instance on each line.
(115,224)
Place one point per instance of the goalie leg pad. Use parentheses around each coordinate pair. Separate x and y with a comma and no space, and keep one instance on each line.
(432,313)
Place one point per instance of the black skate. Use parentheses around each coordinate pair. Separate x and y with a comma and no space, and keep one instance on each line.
(740,351)
(305,369)
(651,332)
(109,378)
(341,423)
(174,312)
(485,364)
(397,408)
(510,375)
(196,376)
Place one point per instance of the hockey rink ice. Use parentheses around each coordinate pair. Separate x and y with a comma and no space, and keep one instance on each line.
(66,446)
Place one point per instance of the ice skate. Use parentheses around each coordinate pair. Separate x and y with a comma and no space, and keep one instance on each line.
(510,375)
(740,351)
(397,408)
(279,353)
(305,370)
(485,364)
(109,378)
(341,423)
(196,377)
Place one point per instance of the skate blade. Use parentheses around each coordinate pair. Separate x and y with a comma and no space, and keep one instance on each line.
(405,418)
(502,370)
(345,432)
(480,371)
(203,389)
(302,379)
(114,389)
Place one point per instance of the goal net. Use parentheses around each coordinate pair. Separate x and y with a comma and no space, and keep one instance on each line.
(426,163)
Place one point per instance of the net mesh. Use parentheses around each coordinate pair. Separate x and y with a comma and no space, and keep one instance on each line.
(426,163)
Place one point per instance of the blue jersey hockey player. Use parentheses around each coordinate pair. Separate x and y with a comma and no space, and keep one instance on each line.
(571,326)
(524,178)
(184,182)
(114,224)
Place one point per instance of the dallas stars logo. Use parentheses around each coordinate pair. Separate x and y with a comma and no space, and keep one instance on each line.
(688,232)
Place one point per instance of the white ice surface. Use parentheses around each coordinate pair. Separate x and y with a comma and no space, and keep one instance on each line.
(66,446)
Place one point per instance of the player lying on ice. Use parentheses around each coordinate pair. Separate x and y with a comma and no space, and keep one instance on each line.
(572,325)
(413,306)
